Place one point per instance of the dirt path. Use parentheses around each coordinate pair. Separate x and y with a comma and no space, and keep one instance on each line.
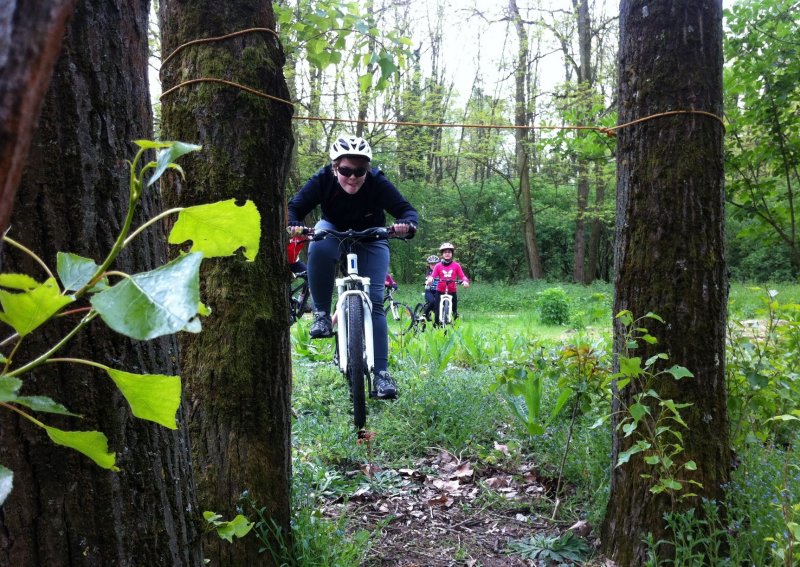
(445,513)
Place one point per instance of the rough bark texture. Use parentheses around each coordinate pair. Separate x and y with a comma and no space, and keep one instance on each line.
(669,242)
(239,367)
(30,42)
(64,509)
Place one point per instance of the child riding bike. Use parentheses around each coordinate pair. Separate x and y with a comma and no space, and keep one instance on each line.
(447,272)
(430,288)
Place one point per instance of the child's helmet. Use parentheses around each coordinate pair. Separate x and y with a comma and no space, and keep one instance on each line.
(447,246)
(433,259)
(350,146)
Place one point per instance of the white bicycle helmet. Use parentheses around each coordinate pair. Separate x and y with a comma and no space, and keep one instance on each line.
(350,146)
(433,259)
(447,246)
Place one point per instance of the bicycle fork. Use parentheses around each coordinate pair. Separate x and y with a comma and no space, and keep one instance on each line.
(354,285)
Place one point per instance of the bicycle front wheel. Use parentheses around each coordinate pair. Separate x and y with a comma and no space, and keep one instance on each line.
(356,365)
(403,322)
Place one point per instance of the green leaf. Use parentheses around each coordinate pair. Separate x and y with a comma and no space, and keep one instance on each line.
(625,317)
(563,396)
(652,460)
(154,397)
(6,483)
(43,404)
(9,386)
(26,311)
(156,303)
(679,372)
(93,444)
(652,359)
(672,484)
(638,411)
(651,315)
(21,282)
(219,229)
(168,155)
(638,447)
(630,366)
(151,144)
(365,82)
(75,271)
(690,466)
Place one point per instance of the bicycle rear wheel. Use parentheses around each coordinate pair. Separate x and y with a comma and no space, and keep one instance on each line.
(356,365)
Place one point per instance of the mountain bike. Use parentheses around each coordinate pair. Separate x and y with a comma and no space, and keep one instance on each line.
(298,297)
(354,352)
(401,313)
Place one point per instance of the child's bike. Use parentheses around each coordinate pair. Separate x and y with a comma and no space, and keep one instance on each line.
(446,304)
(400,313)
(353,332)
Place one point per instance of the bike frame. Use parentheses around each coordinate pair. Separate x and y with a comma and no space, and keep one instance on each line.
(353,284)
(446,306)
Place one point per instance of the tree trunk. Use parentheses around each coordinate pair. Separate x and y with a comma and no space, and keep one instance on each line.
(669,245)
(30,42)
(64,509)
(595,270)
(579,273)
(239,368)
(520,135)
(585,88)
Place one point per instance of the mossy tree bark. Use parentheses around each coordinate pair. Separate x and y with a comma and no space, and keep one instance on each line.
(64,509)
(669,244)
(238,368)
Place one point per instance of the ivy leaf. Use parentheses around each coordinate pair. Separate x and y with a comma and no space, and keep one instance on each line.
(93,444)
(154,397)
(168,155)
(21,282)
(156,303)
(679,372)
(26,311)
(6,483)
(219,229)
(43,404)
(75,271)
(9,386)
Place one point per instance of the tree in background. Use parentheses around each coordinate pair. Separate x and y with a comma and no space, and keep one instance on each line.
(64,509)
(669,252)
(762,86)
(238,370)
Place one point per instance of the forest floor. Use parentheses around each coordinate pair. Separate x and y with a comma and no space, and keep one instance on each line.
(452,514)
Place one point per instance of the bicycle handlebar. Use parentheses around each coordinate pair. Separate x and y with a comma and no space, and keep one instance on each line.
(372,233)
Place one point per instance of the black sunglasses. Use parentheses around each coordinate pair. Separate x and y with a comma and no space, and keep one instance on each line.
(348,171)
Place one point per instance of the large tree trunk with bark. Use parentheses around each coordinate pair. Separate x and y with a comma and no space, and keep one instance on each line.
(30,42)
(64,509)
(238,369)
(669,246)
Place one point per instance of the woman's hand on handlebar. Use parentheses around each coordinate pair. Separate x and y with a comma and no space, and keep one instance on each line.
(402,228)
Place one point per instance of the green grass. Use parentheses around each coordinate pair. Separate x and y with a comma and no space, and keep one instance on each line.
(449,400)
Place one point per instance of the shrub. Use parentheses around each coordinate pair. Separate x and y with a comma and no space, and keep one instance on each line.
(553,306)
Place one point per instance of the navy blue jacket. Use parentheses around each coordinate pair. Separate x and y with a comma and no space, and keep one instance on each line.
(365,209)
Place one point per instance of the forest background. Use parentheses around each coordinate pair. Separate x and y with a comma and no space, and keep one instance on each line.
(545,66)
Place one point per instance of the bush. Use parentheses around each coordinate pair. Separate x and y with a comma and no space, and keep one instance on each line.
(553,306)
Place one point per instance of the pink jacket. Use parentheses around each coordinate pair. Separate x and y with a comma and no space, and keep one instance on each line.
(448,275)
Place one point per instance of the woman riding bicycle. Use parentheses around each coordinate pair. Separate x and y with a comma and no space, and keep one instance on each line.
(352,195)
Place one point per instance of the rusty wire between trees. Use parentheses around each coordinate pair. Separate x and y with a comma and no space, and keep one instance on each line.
(608,131)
